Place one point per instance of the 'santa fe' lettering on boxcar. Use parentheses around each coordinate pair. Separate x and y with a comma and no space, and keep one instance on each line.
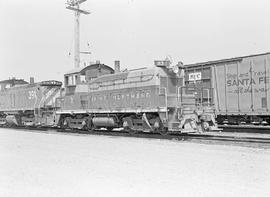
(237,82)
(247,82)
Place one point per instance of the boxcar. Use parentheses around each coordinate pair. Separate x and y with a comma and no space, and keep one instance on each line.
(240,87)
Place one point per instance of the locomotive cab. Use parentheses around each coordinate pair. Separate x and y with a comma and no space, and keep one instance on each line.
(79,77)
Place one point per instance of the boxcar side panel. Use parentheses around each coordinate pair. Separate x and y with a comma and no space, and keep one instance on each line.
(242,87)
(221,90)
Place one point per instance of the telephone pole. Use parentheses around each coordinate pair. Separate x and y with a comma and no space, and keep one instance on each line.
(74,5)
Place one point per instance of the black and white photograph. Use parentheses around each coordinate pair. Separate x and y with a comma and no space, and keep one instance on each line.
(134,98)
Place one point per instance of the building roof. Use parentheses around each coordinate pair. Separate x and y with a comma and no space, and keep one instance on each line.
(83,69)
(13,81)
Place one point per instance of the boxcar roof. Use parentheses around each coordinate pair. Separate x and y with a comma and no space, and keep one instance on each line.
(224,60)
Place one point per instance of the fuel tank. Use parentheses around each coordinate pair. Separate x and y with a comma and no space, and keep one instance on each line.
(104,122)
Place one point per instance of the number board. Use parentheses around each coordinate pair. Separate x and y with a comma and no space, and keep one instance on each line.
(195,76)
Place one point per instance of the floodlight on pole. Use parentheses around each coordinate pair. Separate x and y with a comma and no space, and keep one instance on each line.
(74,5)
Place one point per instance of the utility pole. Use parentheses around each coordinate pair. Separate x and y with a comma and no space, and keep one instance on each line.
(74,5)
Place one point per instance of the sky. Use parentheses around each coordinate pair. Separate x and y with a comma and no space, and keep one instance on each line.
(37,36)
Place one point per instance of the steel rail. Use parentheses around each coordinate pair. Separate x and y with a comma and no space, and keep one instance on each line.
(263,142)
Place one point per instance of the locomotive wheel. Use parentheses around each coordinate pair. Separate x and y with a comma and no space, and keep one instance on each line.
(163,131)
(205,126)
(65,123)
(91,129)
(159,127)
(131,131)
(109,129)
(128,126)
(89,126)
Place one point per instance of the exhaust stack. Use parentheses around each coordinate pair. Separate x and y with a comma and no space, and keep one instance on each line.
(116,66)
(32,81)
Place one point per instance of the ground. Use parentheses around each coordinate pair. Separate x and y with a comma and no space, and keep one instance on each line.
(40,164)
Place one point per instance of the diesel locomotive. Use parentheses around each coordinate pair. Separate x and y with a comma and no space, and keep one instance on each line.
(28,104)
(98,97)
(147,99)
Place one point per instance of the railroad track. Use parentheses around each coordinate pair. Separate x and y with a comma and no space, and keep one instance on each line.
(232,138)
(206,138)
(246,128)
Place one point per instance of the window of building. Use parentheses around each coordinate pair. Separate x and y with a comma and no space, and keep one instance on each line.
(71,80)
(82,78)
(66,80)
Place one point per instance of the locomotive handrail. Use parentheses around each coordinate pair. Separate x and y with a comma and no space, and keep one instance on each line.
(196,89)
(186,88)
(209,103)
(208,96)
(179,90)
(141,78)
(166,99)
